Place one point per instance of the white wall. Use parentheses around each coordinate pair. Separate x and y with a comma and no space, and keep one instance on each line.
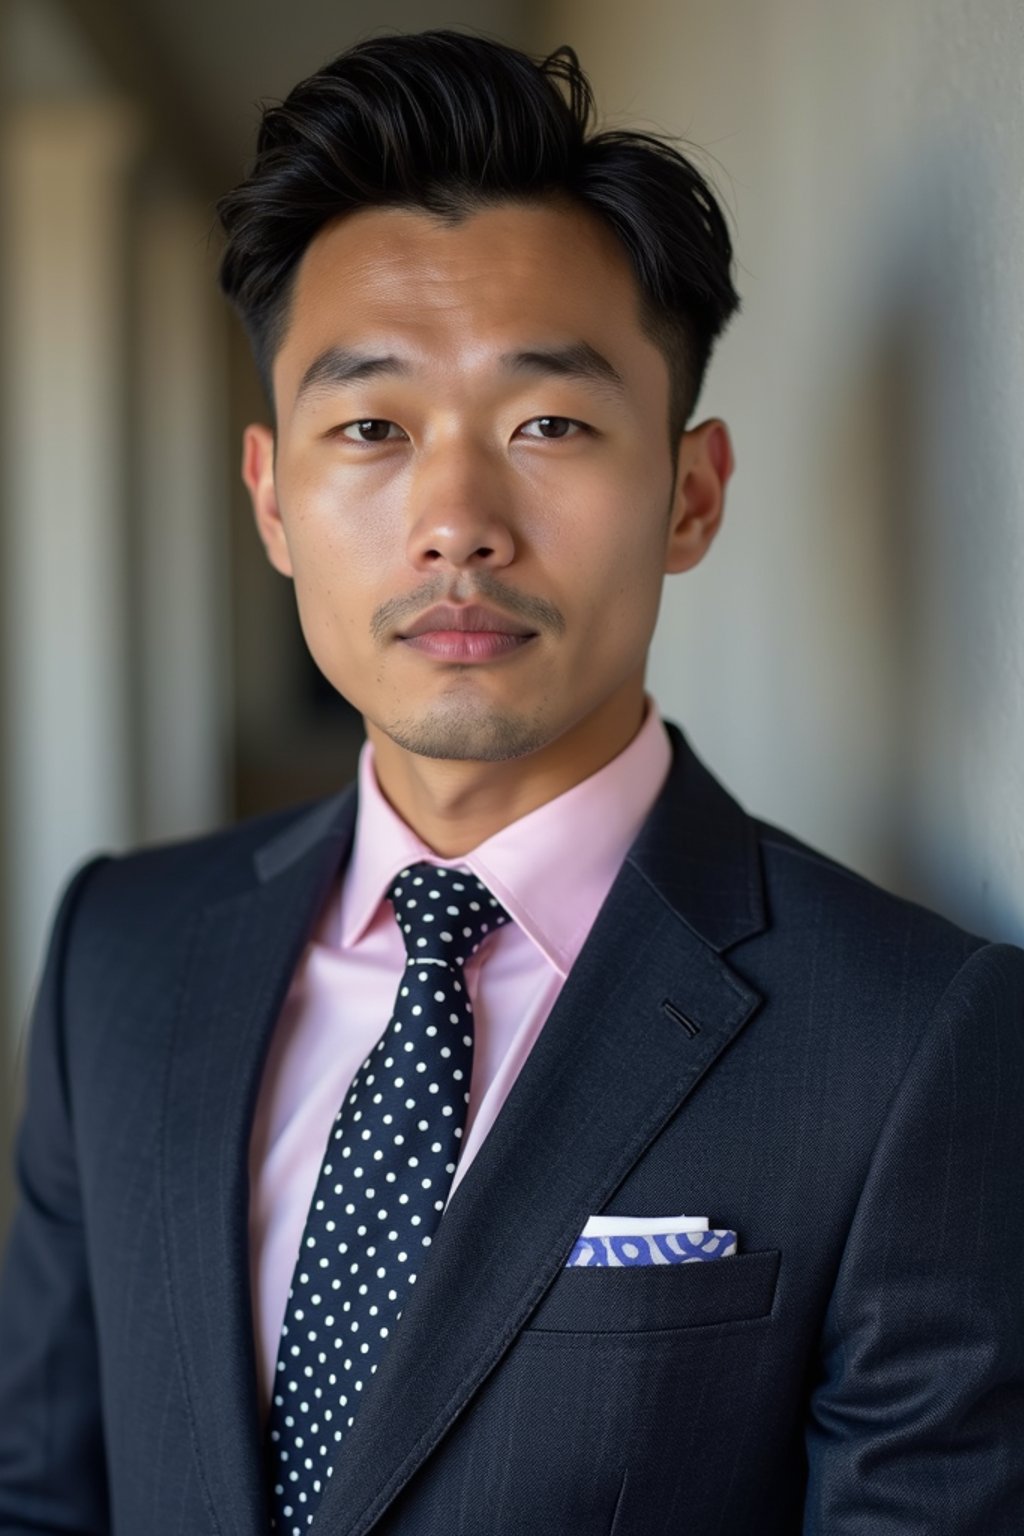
(851,656)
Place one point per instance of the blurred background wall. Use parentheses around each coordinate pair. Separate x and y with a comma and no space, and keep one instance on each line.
(850,658)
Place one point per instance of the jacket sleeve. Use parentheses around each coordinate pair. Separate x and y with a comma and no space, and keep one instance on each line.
(52,1475)
(916,1419)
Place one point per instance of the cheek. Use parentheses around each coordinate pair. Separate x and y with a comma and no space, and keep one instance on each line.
(339,537)
(612,551)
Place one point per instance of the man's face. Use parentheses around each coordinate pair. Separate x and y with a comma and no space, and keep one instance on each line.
(471,471)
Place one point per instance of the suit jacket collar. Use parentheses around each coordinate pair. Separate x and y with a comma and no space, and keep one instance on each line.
(645,1013)
(698,849)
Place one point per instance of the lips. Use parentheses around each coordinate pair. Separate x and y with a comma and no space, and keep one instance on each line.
(466,634)
(471,619)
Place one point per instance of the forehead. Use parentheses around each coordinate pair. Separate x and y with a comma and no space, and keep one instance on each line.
(458,295)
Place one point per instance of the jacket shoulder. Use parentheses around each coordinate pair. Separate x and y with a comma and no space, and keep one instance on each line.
(862,923)
(161,881)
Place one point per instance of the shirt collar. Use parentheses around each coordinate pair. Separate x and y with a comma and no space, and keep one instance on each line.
(551,869)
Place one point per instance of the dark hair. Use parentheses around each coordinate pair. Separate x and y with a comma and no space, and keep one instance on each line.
(450,123)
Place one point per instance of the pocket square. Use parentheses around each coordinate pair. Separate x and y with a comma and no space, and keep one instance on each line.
(623,1226)
(621,1241)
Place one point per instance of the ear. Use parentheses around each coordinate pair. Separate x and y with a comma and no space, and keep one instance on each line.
(703,466)
(258,474)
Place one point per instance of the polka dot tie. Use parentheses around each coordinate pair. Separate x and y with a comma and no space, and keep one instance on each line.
(382,1188)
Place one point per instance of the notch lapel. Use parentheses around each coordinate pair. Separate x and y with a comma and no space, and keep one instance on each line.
(609,1069)
(243,953)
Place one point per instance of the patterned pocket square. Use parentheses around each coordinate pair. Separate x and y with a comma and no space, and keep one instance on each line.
(617,1242)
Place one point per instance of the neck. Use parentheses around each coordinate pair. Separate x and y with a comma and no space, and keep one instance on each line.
(453,805)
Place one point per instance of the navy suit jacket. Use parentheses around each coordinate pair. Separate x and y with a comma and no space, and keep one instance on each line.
(751,1032)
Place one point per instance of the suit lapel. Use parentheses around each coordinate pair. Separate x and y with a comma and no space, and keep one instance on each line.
(244,951)
(610,1067)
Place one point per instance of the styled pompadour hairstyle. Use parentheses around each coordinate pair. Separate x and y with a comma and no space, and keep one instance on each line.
(450,123)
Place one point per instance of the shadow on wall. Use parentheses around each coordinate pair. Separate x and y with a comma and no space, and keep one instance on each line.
(923,411)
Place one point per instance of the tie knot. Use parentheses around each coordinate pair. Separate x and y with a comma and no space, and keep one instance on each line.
(444,914)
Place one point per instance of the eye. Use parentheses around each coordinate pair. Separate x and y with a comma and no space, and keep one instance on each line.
(373,430)
(553,428)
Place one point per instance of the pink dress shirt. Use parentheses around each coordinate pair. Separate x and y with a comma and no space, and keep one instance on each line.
(551,870)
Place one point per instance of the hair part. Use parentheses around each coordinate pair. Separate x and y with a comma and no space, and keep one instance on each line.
(450,123)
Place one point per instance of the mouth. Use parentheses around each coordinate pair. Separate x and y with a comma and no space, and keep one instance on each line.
(466,634)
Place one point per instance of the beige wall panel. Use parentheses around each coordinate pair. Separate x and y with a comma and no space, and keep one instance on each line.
(63,578)
(180,523)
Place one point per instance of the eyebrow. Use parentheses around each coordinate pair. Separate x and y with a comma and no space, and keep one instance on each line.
(336,367)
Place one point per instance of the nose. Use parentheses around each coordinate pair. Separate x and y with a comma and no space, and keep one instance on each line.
(460,512)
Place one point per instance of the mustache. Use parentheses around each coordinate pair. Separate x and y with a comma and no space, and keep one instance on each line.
(535,612)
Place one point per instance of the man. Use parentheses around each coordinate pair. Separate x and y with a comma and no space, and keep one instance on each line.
(651,1172)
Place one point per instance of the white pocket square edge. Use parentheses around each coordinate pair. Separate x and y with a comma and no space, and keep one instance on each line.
(642,1226)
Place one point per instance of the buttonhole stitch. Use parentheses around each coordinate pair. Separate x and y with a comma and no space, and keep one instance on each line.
(673,1012)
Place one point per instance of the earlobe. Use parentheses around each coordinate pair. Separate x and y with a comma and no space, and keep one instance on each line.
(258,475)
(704,465)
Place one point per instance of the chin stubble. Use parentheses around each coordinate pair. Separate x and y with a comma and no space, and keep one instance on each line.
(463,732)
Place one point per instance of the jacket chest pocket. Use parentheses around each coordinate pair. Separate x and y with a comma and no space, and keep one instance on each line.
(648,1297)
